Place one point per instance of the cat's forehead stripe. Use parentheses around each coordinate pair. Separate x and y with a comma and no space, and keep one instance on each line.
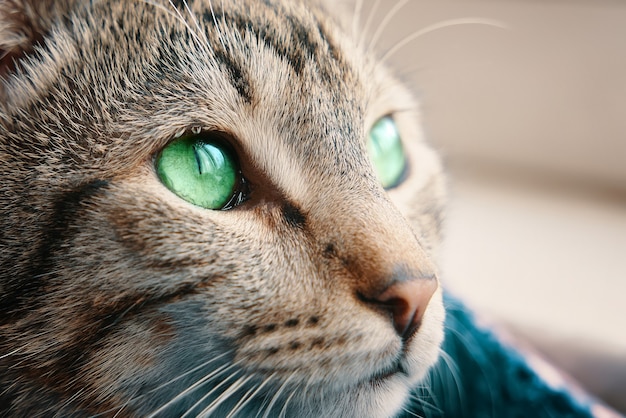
(237,74)
(307,39)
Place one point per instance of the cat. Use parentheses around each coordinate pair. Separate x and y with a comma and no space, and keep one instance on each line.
(216,208)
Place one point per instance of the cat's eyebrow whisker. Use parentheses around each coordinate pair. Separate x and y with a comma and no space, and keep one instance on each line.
(198,28)
(383,24)
(204,45)
(217,27)
(176,15)
(368,22)
(249,396)
(410,71)
(441,25)
(356,18)
(229,35)
(406,109)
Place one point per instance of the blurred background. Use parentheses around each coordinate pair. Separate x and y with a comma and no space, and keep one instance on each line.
(531,123)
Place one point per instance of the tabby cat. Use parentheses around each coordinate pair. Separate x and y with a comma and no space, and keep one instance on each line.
(215,208)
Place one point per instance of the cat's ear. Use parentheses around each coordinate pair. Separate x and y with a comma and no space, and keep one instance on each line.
(25,23)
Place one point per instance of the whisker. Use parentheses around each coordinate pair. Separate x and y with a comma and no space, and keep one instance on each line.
(176,15)
(68,401)
(206,363)
(408,411)
(425,403)
(169,382)
(276,396)
(232,390)
(356,19)
(383,24)
(470,346)
(119,411)
(197,25)
(193,387)
(249,396)
(456,378)
(228,35)
(10,353)
(283,410)
(217,27)
(208,394)
(203,45)
(441,25)
(407,73)
(368,22)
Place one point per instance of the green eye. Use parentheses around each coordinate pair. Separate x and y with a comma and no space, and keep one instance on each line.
(200,170)
(386,153)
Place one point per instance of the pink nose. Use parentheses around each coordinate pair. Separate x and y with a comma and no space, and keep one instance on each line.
(406,301)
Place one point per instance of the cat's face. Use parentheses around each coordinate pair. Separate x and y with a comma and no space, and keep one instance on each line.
(313,294)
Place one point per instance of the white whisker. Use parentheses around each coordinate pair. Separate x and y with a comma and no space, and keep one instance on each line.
(206,363)
(249,396)
(169,382)
(383,24)
(356,19)
(119,411)
(191,388)
(425,403)
(217,27)
(441,25)
(276,396)
(454,372)
(69,401)
(232,390)
(209,393)
(197,25)
(412,413)
(228,35)
(17,350)
(403,75)
(176,15)
(283,410)
(368,22)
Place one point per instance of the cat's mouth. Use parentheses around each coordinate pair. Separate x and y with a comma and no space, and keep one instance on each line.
(394,370)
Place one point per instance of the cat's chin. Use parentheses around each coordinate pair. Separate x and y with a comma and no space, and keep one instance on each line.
(380,397)
(385,392)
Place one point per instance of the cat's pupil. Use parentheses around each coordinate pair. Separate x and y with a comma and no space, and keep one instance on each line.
(199,169)
(386,153)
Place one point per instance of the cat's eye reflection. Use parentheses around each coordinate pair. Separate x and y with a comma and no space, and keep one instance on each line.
(200,170)
(386,153)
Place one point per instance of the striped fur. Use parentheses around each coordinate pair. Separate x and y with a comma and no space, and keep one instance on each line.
(117,298)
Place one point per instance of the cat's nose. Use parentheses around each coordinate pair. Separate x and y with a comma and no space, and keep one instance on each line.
(406,301)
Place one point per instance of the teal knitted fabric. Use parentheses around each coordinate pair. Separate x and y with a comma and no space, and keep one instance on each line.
(478,376)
